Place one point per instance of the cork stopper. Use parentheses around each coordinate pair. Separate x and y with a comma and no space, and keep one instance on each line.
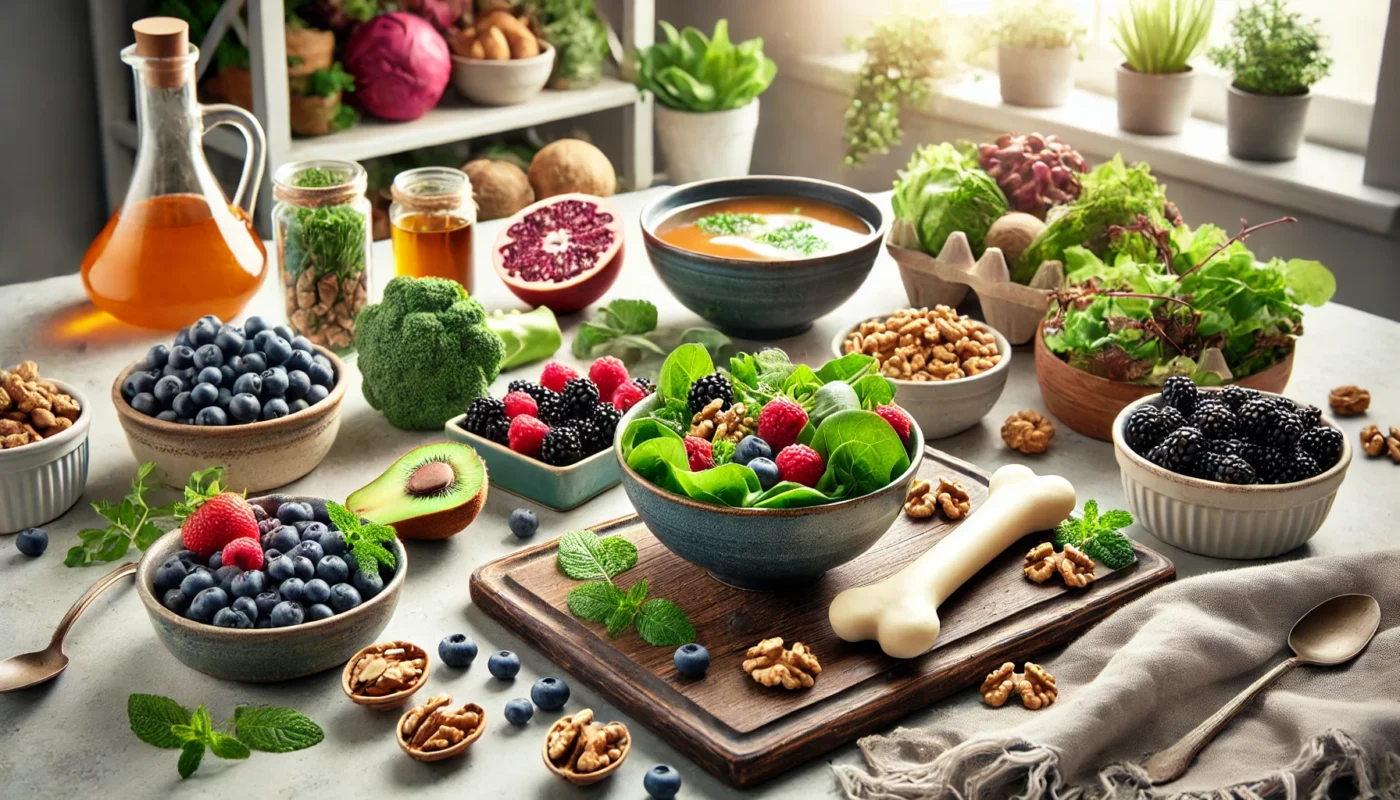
(161,38)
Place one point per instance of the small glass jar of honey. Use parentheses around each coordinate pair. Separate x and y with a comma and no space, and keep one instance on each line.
(432,216)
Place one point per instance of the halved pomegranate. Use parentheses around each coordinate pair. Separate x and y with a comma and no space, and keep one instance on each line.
(563,252)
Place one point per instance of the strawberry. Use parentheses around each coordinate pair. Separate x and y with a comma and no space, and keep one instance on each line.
(527,434)
(898,419)
(627,395)
(609,373)
(518,403)
(245,554)
(700,453)
(208,522)
(780,422)
(555,375)
(800,464)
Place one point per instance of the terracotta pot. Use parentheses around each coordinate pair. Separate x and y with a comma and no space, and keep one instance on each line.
(1035,77)
(312,116)
(1088,404)
(1262,127)
(1151,103)
(234,85)
(309,50)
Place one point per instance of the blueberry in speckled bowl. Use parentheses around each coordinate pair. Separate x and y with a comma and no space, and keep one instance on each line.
(766,548)
(266,655)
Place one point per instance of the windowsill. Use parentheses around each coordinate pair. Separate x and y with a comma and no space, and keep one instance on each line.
(1323,181)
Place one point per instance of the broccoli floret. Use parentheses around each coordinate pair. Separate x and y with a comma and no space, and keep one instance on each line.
(425,352)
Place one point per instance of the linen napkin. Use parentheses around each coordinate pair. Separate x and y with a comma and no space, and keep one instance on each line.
(1154,670)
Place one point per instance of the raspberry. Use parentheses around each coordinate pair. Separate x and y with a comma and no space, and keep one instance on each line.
(244,553)
(898,419)
(800,464)
(518,403)
(780,422)
(700,453)
(627,395)
(216,521)
(609,373)
(555,375)
(527,434)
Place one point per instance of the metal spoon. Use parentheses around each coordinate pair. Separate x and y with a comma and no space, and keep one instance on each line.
(1330,634)
(31,669)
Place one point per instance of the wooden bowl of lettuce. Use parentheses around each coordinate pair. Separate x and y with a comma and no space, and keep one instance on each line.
(722,519)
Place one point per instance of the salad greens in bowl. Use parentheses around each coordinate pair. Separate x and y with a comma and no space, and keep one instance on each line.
(819,502)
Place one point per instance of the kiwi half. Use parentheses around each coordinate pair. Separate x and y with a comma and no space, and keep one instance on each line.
(430,492)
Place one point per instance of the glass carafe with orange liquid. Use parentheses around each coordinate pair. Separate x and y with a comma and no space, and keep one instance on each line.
(177,249)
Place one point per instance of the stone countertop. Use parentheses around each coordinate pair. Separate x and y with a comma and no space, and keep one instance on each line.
(72,736)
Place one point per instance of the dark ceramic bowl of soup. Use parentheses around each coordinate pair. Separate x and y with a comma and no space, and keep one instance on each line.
(761,257)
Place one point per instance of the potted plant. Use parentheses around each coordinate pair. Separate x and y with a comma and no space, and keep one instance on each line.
(1038,42)
(1157,38)
(1274,56)
(706,93)
(579,36)
(905,58)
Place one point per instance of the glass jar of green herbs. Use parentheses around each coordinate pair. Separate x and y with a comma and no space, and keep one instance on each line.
(322,225)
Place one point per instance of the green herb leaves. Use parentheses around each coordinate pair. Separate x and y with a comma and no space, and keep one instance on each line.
(584,556)
(627,329)
(692,72)
(942,190)
(1272,50)
(162,722)
(1098,536)
(728,223)
(366,541)
(796,236)
(133,522)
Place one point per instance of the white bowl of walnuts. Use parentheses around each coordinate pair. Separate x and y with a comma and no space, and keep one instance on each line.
(43,447)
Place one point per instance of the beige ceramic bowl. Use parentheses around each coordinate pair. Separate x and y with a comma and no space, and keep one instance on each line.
(502,83)
(256,457)
(945,408)
(1219,519)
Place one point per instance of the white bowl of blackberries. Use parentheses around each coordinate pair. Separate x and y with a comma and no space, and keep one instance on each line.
(1227,471)
(255,398)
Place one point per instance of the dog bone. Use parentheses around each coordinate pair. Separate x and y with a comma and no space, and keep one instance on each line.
(901,612)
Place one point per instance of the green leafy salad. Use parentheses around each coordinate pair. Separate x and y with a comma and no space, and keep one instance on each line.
(859,451)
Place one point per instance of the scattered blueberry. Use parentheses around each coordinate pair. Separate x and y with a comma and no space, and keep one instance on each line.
(303,345)
(245,605)
(244,407)
(298,385)
(367,585)
(692,660)
(165,390)
(136,383)
(333,543)
(662,782)
(212,415)
(321,374)
(207,603)
(255,363)
(287,613)
(229,340)
(210,375)
(254,325)
(304,567)
(248,384)
(332,570)
(276,408)
(146,403)
(316,395)
(292,589)
(169,574)
(344,597)
(766,470)
(319,611)
(266,602)
(310,529)
(503,665)
(203,332)
(751,447)
(284,331)
(457,650)
(196,582)
(158,356)
(228,618)
(225,575)
(181,357)
(176,600)
(550,694)
(523,523)
(315,591)
(519,711)
(32,541)
(250,583)
(310,550)
(299,362)
(284,539)
(183,405)
(291,513)
(278,350)
(208,355)
(281,569)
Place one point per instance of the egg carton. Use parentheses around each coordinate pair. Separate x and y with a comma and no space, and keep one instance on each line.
(1012,308)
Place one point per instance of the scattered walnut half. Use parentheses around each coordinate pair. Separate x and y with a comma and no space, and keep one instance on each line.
(579,745)
(1035,686)
(1028,432)
(714,423)
(771,665)
(923,499)
(432,727)
(1348,401)
(1372,441)
(387,668)
(1073,565)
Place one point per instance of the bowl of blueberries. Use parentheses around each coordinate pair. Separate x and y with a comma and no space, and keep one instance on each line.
(305,608)
(256,398)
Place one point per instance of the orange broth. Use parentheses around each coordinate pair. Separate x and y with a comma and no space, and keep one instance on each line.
(764,229)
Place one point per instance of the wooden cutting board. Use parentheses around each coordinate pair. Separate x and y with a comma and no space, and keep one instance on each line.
(745,733)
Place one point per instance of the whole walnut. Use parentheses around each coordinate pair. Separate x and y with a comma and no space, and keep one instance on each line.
(1028,432)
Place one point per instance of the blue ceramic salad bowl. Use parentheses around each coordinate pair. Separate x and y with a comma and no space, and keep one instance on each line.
(738,295)
(765,548)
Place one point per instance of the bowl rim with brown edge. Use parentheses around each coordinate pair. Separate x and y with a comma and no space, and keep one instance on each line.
(584,778)
(130,416)
(1003,345)
(661,208)
(1141,462)
(916,443)
(147,566)
(447,752)
(394,699)
(545,52)
(78,430)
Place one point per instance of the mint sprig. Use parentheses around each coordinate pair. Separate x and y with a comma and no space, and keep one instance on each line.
(133,521)
(162,722)
(1098,536)
(366,541)
(583,555)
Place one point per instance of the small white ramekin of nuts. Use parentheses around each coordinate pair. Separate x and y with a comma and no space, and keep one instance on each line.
(43,447)
(948,370)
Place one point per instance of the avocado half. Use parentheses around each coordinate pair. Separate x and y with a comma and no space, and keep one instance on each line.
(430,492)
